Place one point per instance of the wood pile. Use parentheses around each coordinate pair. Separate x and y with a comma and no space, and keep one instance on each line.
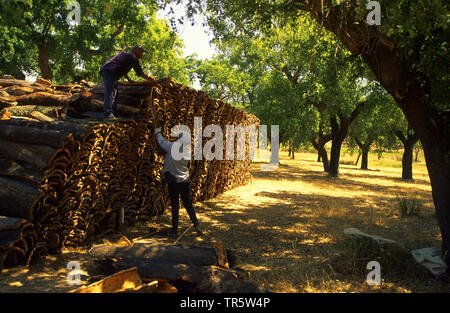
(188,268)
(67,177)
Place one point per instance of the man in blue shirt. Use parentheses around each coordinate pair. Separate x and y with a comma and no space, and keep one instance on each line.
(115,68)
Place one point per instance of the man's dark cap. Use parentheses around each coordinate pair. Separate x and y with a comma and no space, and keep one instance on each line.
(138,48)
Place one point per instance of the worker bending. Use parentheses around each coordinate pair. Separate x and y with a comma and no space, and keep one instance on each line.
(113,70)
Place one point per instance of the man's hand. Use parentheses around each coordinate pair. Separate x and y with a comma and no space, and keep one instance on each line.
(148,77)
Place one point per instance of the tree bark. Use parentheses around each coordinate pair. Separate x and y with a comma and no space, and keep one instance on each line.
(8,223)
(179,253)
(319,145)
(89,102)
(394,73)
(417,151)
(44,64)
(34,155)
(365,148)
(357,159)
(365,160)
(335,156)
(16,198)
(338,134)
(41,98)
(32,135)
(205,278)
(407,159)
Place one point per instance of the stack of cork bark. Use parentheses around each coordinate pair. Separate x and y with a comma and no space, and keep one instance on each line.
(65,179)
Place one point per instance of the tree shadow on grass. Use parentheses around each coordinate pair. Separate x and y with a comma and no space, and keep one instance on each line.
(293,234)
(344,181)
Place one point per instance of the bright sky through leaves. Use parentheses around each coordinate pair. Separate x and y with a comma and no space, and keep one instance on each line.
(195,38)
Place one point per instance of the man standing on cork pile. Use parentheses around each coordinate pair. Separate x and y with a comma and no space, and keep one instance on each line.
(113,70)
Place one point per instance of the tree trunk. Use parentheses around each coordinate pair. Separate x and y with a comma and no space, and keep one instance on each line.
(429,124)
(325,162)
(179,253)
(416,159)
(206,279)
(338,134)
(335,156)
(88,102)
(44,65)
(16,198)
(365,148)
(408,148)
(31,135)
(394,73)
(319,145)
(34,155)
(41,98)
(407,161)
(357,159)
(439,171)
(365,160)
(319,158)
(322,154)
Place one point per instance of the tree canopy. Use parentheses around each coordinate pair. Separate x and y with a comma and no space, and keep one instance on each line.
(36,38)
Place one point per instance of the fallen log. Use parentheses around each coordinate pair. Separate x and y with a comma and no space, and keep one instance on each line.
(179,253)
(41,98)
(10,234)
(6,104)
(32,135)
(6,82)
(16,198)
(90,102)
(126,99)
(18,90)
(97,105)
(41,117)
(32,181)
(43,81)
(25,110)
(35,155)
(76,127)
(7,222)
(221,254)
(206,279)
(137,90)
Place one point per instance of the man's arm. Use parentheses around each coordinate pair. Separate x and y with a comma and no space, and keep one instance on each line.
(164,144)
(148,77)
(138,69)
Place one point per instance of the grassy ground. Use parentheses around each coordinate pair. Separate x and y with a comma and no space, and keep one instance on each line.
(288,228)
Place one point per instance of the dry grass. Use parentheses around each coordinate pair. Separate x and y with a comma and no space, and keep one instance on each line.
(288,227)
